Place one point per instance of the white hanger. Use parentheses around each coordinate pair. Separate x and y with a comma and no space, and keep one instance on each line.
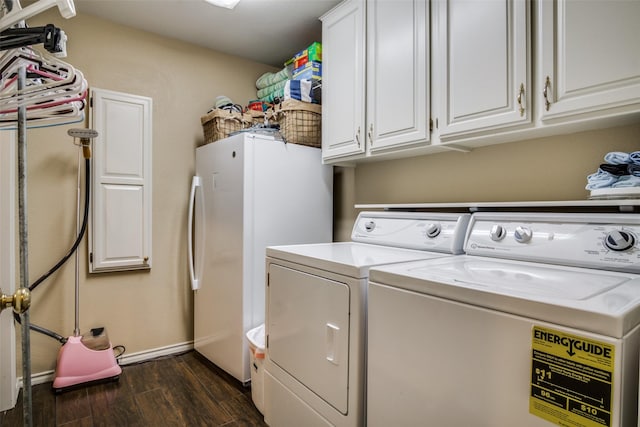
(17,14)
(54,91)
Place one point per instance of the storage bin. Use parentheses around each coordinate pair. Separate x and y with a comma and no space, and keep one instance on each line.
(256,350)
(219,124)
(300,122)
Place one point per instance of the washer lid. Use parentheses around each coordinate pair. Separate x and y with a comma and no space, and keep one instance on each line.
(593,300)
(347,258)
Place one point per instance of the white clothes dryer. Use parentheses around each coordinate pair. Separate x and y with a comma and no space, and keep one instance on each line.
(314,368)
(537,324)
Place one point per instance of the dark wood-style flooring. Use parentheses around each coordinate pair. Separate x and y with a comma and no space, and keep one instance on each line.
(182,390)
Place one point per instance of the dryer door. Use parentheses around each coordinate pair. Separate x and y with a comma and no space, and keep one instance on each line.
(308,327)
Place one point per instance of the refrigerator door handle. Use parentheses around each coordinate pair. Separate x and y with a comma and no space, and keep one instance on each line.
(195,183)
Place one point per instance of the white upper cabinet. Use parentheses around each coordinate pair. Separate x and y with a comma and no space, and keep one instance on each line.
(385,106)
(589,58)
(481,65)
(480,72)
(397,74)
(343,80)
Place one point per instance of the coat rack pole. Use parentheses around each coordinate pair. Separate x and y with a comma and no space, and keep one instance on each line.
(24,258)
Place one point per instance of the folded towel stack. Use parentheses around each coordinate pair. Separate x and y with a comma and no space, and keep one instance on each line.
(271,85)
(299,79)
(620,170)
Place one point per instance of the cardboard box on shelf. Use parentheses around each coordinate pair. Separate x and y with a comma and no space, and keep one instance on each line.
(313,53)
(309,71)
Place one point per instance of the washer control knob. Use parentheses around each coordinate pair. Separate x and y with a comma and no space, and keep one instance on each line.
(497,233)
(619,240)
(522,234)
(370,226)
(433,230)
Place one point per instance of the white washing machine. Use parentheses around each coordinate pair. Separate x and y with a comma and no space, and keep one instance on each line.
(314,368)
(536,325)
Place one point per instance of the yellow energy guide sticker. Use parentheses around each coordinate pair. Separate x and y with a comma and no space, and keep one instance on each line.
(571,379)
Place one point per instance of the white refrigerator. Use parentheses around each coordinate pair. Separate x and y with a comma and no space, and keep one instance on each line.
(250,191)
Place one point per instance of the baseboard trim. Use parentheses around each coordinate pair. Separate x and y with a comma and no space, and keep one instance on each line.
(141,356)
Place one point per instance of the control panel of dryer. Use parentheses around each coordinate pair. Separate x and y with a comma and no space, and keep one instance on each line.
(441,232)
(606,241)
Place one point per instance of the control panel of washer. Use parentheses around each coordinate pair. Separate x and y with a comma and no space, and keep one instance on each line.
(608,241)
(441,232)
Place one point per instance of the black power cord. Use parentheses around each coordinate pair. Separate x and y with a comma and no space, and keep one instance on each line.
(65,258)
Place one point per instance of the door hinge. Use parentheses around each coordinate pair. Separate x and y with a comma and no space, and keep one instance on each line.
(267,341)
(91,102)
(267,280)
(91,257)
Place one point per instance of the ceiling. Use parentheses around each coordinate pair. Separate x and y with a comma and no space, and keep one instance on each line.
(265,31)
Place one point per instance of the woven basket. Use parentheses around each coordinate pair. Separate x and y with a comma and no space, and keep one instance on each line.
(300,122)
(219,124)
(257,117)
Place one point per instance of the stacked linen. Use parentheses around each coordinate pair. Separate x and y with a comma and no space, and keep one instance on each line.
(273,92)
(271,85)
(301,90)
(620,170)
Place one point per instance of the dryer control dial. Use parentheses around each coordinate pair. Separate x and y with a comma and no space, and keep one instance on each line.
(522,234)
(619,240)
(369,226)
(497,233)
(432,230)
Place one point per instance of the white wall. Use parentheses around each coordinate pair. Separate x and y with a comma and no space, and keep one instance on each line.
(142,310)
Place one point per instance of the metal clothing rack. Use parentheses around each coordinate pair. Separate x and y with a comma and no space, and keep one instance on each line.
(27,409)
(53,40)
(21,299)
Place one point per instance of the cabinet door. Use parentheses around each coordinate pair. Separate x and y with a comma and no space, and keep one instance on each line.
(120,228)
(397,73)
(481,65)
(343,81)
(589,58)
(8,389)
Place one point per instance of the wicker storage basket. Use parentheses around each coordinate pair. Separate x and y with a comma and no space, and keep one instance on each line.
(300,122)
(220,124)
(257,117)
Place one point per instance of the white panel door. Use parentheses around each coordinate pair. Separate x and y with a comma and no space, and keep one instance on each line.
(589,57)
(343,81)
(397,73)
(120,231)
(481,65)
(8,390)
(308,327)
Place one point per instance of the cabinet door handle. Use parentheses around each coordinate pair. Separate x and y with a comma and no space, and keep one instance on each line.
(358,136)
(370,133)
(520,95)
(545,92)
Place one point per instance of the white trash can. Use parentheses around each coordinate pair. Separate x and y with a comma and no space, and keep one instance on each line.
(256,350)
